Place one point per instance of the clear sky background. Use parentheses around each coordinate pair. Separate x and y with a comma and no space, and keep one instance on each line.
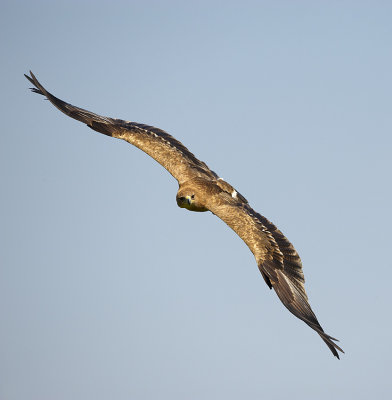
(108,290)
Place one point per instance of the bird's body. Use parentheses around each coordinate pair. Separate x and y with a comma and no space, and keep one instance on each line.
(200,190)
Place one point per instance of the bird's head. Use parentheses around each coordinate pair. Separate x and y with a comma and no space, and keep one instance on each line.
(187,198)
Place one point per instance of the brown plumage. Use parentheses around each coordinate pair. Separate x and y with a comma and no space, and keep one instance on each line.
(200,189)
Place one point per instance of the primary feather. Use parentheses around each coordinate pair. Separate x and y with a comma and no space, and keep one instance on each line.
(200,189)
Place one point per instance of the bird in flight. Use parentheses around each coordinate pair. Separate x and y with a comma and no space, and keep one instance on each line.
(201,189)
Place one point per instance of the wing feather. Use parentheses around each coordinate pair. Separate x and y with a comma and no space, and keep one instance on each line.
(277,259)
(164,148)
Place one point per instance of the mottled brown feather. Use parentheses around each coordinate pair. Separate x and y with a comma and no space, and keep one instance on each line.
(277,259)
(158,144)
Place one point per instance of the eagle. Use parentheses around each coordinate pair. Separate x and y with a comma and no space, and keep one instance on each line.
(200,190)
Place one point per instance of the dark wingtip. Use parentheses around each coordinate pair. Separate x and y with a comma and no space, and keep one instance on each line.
(32,79)
(94,121)
(330,342)
(29,78)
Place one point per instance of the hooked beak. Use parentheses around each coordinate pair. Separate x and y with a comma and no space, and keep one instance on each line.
(188,199)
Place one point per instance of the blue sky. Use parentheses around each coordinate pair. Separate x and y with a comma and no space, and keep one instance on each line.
(107,288)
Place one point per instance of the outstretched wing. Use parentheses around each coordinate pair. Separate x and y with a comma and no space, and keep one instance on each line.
(277,259)
(158,144)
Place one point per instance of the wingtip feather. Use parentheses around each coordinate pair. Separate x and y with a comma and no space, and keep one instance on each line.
(38,87)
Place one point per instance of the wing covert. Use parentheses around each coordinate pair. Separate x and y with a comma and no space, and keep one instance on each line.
(164,148)
(277,259)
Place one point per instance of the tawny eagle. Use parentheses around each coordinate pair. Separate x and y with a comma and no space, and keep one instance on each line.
(201,189)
